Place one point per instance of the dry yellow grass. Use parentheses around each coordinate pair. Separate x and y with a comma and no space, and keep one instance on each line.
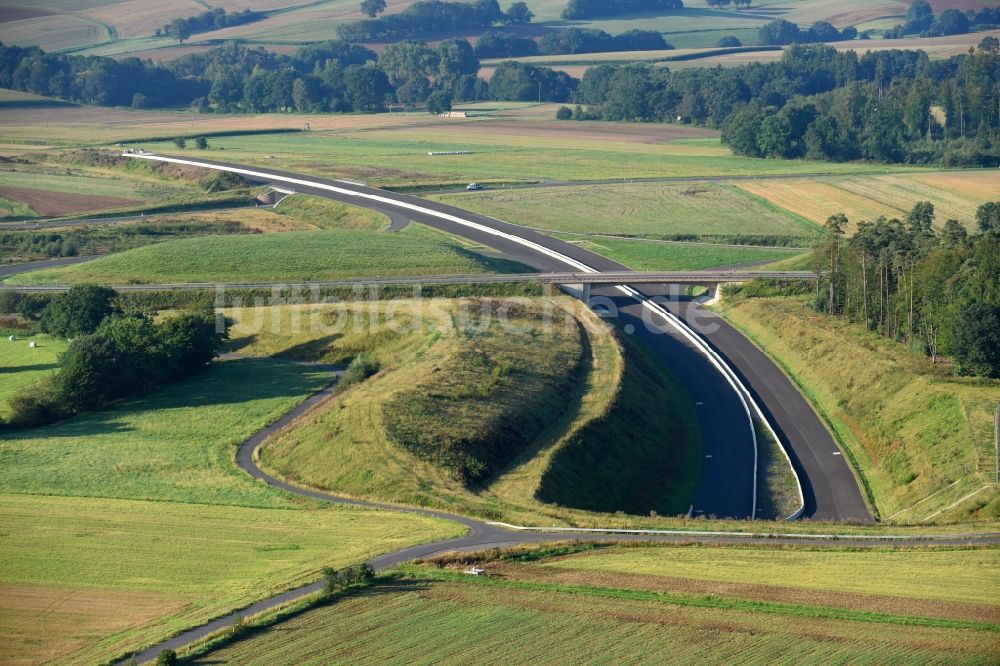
(31,612)
(955,195)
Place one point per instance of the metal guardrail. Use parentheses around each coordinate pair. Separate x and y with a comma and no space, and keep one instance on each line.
(607,278)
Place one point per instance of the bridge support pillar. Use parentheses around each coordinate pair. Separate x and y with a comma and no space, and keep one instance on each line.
(580,291)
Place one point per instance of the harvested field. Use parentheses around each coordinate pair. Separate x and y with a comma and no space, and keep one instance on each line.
(53,32)
(955,195)
(62,203)
(85,125)
(8,14)
(47,623)
(196,560)
(576,131)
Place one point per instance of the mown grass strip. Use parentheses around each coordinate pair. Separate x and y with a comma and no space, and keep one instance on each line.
(769,607)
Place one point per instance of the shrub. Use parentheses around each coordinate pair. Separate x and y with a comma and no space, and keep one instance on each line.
(36,405)
(363,366)
(166,658)
(201,143)
(564,113)
(180,142)
(728,42)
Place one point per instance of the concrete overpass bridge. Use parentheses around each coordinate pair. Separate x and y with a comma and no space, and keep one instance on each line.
(573,281)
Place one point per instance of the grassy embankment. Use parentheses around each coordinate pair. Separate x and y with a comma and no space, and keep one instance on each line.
(920,438)
(134,522)
(287,257)
(526,409)
(656,604)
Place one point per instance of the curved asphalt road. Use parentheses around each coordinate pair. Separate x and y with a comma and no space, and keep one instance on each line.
(482,535)
(830,489)
(15,269)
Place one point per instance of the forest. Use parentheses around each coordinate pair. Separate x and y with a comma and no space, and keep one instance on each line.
(884,106)
(936,291)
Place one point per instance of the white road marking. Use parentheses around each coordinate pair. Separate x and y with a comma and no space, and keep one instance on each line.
(837,453)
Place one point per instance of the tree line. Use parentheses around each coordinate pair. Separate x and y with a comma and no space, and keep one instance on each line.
(430,17)
(920,20)
(113,354)
(938,291)
(885,106)
(214,19)
(584,9)
(781,32)
(499,44)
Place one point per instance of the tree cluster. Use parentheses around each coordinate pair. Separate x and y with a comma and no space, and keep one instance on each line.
(214,19)
(782,32)
(430,17)
(920,20)
(336,580)
(113,354)
(722,4)
(584,9)
(576,40)
(498,44)
(885,106)
(516,81)
(938,291)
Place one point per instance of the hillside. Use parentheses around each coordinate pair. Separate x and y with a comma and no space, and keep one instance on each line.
(919,437)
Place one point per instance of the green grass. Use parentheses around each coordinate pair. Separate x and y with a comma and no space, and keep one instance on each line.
(327,214)
(15,209)
(642,455)
(399,157)
(20,365)
(490,397)
(174,445)
(79,180)
(191,562)
(942,575)
(660,256)
(920,438)
(292,256)
(447,376)
(649,210)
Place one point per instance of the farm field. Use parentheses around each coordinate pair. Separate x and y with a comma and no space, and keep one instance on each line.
(94,509)
(287,257)
(920,437)
(552,611)
(955,195)
(21,365)
(645,210)
(174,445)
(114,575)
(390,158)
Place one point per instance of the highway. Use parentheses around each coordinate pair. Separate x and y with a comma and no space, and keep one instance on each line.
(713,364)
